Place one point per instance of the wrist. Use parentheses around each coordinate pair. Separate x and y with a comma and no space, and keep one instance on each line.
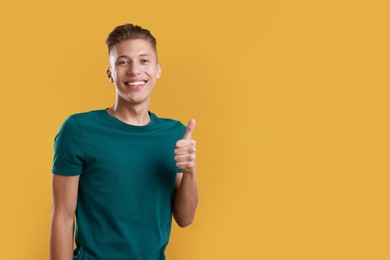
(191,173)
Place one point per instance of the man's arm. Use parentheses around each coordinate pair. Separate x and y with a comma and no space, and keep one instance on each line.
(186,197)
(65,190)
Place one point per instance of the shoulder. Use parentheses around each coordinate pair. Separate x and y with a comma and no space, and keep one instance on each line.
(169,123)
(77,121)
(87,115)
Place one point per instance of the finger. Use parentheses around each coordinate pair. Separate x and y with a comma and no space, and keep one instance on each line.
(187,150)
(185,158)
(186,166)
(190,129)
(182,143)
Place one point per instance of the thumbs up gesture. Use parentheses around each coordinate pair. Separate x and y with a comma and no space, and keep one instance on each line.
(185,152)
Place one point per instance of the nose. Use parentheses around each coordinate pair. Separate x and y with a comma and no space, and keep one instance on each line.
(133,69)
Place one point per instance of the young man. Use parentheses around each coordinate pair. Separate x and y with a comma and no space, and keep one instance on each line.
(122,171)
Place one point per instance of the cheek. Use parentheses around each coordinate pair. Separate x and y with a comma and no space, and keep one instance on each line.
(120,72)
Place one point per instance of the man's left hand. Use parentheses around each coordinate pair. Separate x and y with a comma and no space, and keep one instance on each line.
(185,152)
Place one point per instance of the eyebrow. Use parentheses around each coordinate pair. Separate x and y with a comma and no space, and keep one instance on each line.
(141,55)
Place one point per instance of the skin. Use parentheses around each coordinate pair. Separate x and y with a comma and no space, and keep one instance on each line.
(130,61)
(186,198)
(65,191)
(133,60)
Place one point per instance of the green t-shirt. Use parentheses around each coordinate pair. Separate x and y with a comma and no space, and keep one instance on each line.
(127,183)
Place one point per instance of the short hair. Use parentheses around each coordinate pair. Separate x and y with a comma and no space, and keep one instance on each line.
(130,32)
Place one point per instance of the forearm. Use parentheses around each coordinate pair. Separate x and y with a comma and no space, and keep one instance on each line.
(61,238)
(186,200)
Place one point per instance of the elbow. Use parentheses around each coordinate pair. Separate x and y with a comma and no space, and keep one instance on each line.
(65,216)
(184,215)
(184,223)
(183,220)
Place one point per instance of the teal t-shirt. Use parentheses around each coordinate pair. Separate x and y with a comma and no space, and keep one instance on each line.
(127,183)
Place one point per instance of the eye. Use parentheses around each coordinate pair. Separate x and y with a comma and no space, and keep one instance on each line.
(144,61)
(122,62)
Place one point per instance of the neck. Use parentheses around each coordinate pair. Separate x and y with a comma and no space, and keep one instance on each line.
(130,114)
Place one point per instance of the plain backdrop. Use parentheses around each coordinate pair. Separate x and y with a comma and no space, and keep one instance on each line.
(292,106)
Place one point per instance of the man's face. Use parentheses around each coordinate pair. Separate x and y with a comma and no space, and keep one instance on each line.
(134,70)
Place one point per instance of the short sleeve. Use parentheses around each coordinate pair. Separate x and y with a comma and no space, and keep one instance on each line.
(68,153)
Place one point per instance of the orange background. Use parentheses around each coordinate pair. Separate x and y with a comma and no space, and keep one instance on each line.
(292,106)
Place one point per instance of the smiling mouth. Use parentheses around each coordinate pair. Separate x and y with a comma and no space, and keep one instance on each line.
(135,84)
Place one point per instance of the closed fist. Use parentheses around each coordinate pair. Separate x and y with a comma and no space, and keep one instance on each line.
(185,152)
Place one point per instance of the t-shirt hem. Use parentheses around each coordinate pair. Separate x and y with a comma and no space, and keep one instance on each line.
(63,172)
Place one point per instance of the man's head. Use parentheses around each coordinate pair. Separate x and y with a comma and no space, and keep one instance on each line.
(130,32)
(134,68)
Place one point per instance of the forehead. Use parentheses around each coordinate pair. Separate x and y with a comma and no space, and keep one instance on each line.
(132,48)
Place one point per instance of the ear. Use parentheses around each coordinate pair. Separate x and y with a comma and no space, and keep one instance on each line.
(159,70)
(109,75)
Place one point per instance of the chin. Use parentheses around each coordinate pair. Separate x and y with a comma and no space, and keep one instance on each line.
(137,101)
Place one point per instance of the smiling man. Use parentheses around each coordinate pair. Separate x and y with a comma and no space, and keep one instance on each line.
(122,171)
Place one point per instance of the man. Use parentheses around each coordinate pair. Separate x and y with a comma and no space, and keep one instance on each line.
(122,171)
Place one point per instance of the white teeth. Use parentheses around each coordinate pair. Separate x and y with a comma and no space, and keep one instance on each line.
(136,83)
